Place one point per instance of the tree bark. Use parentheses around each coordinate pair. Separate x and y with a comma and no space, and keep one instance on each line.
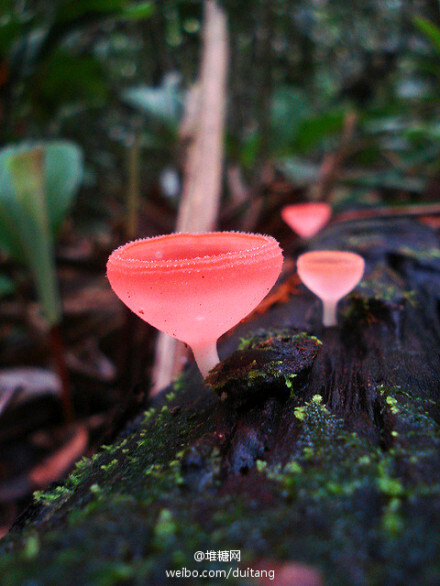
(321,446)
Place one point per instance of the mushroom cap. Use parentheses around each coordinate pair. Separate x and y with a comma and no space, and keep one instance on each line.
(330,274)
(307,219)
(195,287)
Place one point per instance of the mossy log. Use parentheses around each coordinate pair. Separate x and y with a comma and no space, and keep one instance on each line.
(321,447)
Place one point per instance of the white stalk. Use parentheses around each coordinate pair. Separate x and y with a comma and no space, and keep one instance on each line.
(329,313)
(206,357)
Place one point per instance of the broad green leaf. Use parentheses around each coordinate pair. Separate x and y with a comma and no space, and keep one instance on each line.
(63,175)
(37,185)
(27,176)
(63,169)
(429,30)
(27,173)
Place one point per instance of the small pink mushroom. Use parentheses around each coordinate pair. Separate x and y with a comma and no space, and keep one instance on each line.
(307,219)
(195,287)
(330,275)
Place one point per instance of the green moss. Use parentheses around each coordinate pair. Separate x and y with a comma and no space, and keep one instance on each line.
(145,517)
(370,290)
(268,363)
(48,497)
(165,527)
(266,338)
(31,547)
(261,465)
(110,466)
(421,254)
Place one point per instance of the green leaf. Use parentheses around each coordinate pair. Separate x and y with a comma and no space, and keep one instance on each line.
(429,30)
(63,175)
(313,130)
(37,185)
(27,176)
(163,103)
(138,11)
(63,170)
(26,170)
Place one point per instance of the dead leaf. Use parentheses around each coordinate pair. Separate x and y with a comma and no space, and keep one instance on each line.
(90,360)
(7,397)
(57,464)
(28,382)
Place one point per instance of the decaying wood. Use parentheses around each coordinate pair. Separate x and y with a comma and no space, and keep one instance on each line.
(202,131)
(319,453)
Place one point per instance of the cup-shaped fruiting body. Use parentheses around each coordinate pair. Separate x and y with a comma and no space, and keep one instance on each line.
(307,219)
(195,287)
(330,275)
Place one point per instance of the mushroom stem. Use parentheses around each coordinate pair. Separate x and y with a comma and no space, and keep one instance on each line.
(329,318)
(206,357)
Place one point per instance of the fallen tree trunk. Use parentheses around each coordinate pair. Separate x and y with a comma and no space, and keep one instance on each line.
(323,448)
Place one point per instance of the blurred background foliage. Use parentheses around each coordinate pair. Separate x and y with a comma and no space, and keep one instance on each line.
(100,72)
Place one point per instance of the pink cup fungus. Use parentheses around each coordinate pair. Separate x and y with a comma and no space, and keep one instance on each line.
(195,287)
(330,275)
(307,219)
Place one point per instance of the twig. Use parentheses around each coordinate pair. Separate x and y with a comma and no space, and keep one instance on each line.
(237,187)
(131,232)
(332,164)
(388,212)
(58,355)
(203,165)
(7,397)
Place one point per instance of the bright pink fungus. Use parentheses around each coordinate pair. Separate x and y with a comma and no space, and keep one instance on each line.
(330,275)
(307,219)
(195,287)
